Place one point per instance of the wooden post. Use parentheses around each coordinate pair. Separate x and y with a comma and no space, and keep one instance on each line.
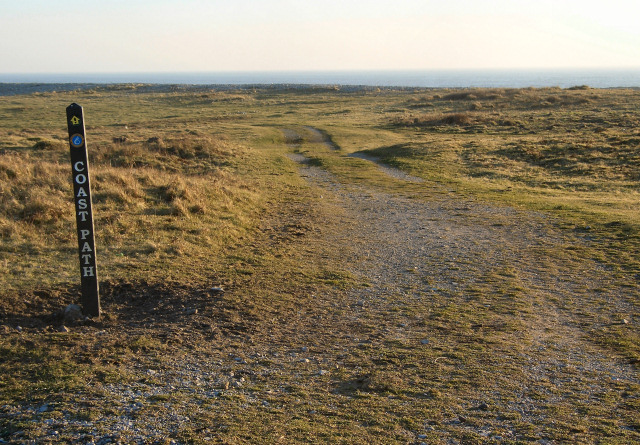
(84,214)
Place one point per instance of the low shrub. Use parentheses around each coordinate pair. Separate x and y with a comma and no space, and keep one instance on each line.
(437,120)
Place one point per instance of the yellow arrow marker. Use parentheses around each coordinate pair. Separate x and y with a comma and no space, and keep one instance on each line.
(75,120)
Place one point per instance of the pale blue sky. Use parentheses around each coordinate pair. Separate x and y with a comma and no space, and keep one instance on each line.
(237,35)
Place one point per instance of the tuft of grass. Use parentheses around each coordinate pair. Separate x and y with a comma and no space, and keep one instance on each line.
(437,120)
(33,196)
(49,144)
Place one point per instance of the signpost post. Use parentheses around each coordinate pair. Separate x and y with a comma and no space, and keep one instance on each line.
(84,214)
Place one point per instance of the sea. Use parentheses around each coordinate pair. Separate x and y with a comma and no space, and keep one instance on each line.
(563,78)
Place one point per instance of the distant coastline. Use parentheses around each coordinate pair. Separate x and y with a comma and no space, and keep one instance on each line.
(621,78)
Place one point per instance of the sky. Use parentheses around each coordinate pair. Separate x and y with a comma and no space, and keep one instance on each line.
(111,36)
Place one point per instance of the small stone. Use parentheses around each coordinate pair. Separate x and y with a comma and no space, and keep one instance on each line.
(323,372)
(625,321)
(481,407)
(191,311)
(304,349)
(63,328)
(216,290)
(424,342)
(44,408)
(73,312)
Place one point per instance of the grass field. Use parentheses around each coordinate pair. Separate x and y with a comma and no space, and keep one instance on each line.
(193,189)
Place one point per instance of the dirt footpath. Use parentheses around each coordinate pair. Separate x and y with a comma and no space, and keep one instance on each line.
(504,296)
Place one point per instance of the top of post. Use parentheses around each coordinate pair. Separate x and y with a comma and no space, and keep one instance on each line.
(74,116)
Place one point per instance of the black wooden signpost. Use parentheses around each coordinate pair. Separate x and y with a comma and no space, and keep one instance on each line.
(84,215)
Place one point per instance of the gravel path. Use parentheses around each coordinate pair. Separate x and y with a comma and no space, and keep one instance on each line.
(444,248)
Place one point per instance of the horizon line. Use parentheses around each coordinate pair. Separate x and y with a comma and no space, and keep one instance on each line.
(328,70)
